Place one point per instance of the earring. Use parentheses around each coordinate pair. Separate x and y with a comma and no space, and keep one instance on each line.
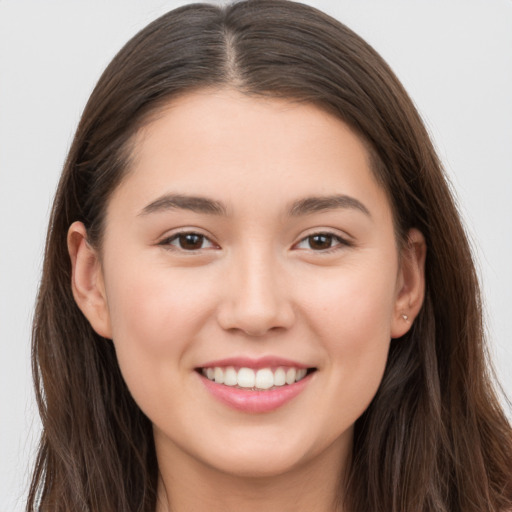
(405,317)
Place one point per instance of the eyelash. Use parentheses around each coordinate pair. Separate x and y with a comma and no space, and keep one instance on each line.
(180,238)
(340,242)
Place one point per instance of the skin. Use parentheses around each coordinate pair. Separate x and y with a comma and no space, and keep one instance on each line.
(256,286)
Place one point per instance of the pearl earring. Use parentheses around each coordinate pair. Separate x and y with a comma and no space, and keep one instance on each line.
(405,317)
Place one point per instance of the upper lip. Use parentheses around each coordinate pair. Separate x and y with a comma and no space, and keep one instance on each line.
(249,362)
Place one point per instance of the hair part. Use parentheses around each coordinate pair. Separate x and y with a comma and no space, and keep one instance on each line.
(435,437)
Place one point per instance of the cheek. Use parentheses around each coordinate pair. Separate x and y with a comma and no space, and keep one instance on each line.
(352,313)
(155,317)
(155,308)
(357,301)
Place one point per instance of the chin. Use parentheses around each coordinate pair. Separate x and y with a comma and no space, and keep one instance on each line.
(255,466)
(266,458)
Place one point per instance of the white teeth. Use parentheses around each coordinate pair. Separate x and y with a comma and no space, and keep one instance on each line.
(230,378)
(279,377)
(290,375)
(219,375)
(264,378)
(246,378)
(300,374)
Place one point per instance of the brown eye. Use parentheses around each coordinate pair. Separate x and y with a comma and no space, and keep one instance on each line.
(320,242)
(188,242)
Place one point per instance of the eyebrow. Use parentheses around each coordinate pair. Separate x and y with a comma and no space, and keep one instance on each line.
(193,203)
(311,205)
(305,206)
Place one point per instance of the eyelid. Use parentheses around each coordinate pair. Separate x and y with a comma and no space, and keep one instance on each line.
(166,240)
(343,241)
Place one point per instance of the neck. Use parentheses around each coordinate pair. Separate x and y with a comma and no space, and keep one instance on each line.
(187,485)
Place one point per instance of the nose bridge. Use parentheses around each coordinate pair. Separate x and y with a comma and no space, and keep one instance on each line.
(256,298)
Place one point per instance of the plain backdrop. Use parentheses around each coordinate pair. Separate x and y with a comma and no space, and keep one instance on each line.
(453,56)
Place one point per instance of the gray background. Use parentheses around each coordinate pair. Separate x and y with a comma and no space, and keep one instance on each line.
(454,57)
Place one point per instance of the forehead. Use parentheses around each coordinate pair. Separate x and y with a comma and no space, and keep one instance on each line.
(224,144)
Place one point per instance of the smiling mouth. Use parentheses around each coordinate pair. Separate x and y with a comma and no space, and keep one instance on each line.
(261,379)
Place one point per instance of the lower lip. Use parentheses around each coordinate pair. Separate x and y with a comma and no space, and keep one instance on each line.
(255,402)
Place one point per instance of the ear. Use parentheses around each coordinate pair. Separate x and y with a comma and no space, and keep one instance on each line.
(87,280)
(410,283)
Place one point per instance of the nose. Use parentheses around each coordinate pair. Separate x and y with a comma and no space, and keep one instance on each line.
(256,297)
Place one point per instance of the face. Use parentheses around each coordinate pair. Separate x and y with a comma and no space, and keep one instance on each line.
(250,280)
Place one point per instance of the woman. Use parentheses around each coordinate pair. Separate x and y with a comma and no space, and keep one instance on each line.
(257,290)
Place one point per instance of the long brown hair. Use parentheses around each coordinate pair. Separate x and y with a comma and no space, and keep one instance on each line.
(435,437)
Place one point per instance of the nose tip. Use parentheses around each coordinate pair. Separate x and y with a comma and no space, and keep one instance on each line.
(256,318)
(256,303)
